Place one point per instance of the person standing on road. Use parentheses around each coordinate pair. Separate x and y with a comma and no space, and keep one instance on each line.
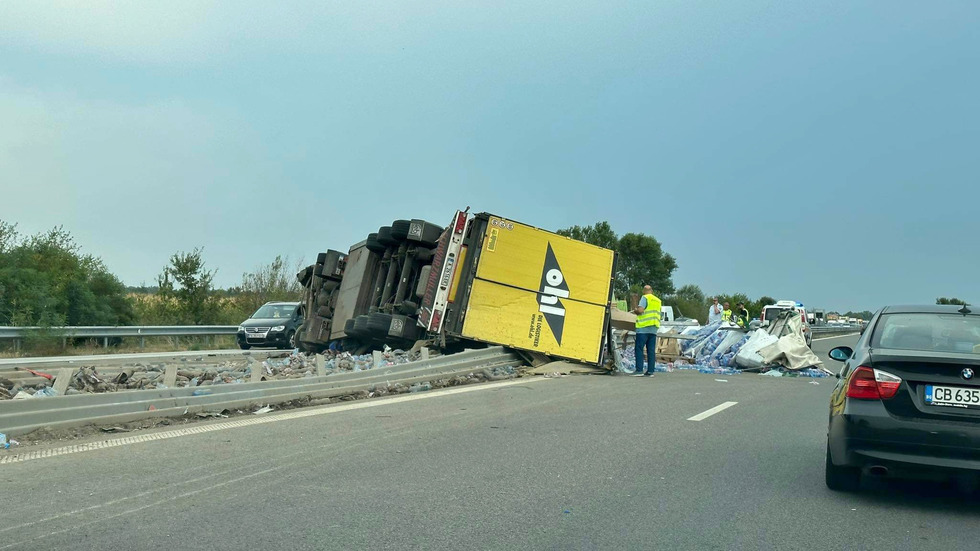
(647,323)
(726,314)
(714,311)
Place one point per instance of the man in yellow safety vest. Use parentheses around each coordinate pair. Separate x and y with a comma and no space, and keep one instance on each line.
(726,315)
(647,324)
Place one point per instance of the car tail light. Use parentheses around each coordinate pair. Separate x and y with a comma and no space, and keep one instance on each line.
(872,384)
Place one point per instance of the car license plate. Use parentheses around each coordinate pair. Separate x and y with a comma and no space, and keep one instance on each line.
(952,396)
(256,335)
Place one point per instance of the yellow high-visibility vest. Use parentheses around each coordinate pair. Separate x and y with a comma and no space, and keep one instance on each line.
(650,316)
(726,315)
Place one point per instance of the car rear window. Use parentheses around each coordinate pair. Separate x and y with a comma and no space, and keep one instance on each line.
(928,332)
(772,313)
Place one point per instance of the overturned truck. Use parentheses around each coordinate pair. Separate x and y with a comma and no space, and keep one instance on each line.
(482,279)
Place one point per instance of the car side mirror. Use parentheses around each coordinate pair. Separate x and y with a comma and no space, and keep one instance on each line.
(841,353)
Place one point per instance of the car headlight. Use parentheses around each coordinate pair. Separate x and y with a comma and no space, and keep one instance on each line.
(279,328)
(241,328)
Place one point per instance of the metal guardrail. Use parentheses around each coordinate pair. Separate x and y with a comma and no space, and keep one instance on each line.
(118,331)
(106,332)
(21,416)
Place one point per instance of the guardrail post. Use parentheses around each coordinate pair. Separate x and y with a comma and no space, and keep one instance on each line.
(105,342)
(63,379)
(16,345)
(170,376)
(321,365)
(142,342)
(424,353)
(377,356)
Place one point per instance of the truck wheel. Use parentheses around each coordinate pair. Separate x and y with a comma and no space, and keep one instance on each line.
(378,324)
(359,329)
(348,326)
(385,237)
(429,234)
(374,245)
(399,229)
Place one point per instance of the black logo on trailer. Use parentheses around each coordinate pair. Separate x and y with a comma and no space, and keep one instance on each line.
(553,288)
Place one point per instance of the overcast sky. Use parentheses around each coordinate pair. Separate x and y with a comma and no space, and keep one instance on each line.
(818,151)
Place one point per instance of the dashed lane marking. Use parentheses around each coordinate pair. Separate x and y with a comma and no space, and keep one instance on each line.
(705,414)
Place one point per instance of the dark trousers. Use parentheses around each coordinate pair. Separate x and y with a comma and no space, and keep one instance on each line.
(649,341)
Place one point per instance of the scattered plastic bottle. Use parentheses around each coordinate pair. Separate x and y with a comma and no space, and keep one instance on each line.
(420,387)
(201,392)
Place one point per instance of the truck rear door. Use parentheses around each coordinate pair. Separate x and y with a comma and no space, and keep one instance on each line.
(534,290)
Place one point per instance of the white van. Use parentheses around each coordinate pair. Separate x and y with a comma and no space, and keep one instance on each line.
(771,312)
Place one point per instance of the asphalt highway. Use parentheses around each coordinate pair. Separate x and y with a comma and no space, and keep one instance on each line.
(579,462)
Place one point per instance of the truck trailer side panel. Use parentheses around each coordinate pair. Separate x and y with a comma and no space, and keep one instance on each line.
(515,317)
(532,259)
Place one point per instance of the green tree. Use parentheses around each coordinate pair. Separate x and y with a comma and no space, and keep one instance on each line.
(600,234)
(275,281)
(46,280)
(953,301)
(864,314)
(188,283)
(641,259)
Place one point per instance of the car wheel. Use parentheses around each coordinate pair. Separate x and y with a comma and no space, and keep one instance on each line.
(244,346)
(842,479)
(291,339)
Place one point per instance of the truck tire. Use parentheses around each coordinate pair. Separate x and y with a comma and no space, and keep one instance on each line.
(359,329)
(374,245)
(399,229)
(348,326)
(324,312)
(427,235)
(323,298)
(406,328)
(385,237)
(304,275)
(378,324)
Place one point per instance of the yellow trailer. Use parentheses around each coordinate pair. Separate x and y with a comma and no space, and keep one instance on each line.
(498,281)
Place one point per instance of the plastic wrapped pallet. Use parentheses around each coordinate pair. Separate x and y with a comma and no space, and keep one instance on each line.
(748,356)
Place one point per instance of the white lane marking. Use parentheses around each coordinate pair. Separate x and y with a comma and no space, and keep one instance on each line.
(837,337)
(249,421)
(705,414)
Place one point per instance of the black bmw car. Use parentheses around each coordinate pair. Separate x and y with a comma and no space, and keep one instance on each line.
(274,324)
(907,401)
